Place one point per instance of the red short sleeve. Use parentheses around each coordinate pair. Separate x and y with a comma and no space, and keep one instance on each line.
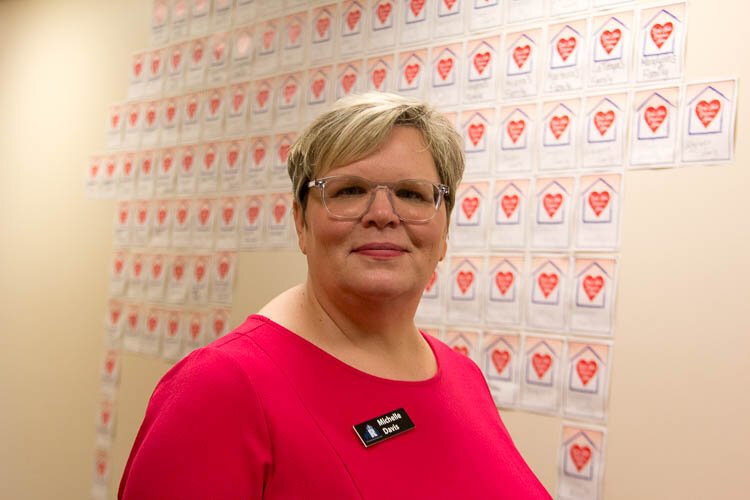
(204,435)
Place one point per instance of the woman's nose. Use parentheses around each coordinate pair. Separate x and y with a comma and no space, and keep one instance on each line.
(381,211)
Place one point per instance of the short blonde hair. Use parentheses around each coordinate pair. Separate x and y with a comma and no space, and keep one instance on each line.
(358,125)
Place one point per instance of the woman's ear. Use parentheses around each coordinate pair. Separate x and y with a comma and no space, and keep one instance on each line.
(299,224)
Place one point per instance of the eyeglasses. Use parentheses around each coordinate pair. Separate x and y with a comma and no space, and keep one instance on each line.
(348,197)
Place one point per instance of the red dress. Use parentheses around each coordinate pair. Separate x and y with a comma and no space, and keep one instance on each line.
(264,414)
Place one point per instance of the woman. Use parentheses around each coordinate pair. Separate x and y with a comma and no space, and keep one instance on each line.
(331,391)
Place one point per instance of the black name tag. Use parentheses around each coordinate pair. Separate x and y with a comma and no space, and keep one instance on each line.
(383,427)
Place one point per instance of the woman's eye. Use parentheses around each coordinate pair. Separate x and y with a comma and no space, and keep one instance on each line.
(349,191)
(410,194)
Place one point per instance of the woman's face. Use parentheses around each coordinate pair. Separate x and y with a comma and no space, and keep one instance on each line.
(378,255)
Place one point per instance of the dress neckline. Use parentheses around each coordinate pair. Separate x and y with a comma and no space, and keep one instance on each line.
(336,361)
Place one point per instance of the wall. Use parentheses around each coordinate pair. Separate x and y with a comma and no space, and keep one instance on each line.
(677,425)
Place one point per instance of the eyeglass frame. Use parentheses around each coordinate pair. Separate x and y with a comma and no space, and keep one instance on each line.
(442,192)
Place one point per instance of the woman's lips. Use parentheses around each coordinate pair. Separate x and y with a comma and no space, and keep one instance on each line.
(383,250)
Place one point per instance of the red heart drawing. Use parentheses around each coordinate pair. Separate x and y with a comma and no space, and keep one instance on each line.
(133,117)
(348,81)
(558,124)
(132,320)
(208,159)
(214,104)
(109,365)
(284,152)
(123,216)
(580,455)
(469,206)
(258,154)
(177,271)
(187,161)
(566,46)
(192,108)
(481,61)
(655,117)
(290,90)
(223,268)
(322,25)
(155,63)
(352,18)
(541,363)
(172,327)
(592,286)
(195,328)
(294,32)
(602,121)
(182,215)
(203,214)
(476,131)
(377,77)
(105,417)
(610,39)
(464,279)
(101,466)
(94,170)
(118,266)
(384,10)
(586,370)
(461,349)
(317,87)
(444,67)
(171,109)
(146,166)
(176,58)
(252,213)
(449,3)
(268,37)
(278,212)
(219,51)
(218,326)
(598,201)
(416,7)
(110,168)
(137,268)
(227,214)
(504,280)
(521,54)
(161,215)
(261,97)
(152,323)
(509,204)
(410,72)
(233,155)
(237,100)
(515,128)
(660,33)
(114,316)
(431,282)
(197,53)
(200,271)
(151,116)
(137,68)
(142,212)
(115,120)
(500,359)
(552,203)
(707,111)
(547,283)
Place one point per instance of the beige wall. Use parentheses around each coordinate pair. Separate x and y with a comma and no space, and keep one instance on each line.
(679,396)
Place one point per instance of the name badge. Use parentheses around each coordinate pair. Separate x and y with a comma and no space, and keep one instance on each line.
(383,427)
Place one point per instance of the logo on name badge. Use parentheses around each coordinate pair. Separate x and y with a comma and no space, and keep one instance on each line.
(383,427)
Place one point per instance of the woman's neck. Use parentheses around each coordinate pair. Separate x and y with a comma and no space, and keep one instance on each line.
(377,337)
